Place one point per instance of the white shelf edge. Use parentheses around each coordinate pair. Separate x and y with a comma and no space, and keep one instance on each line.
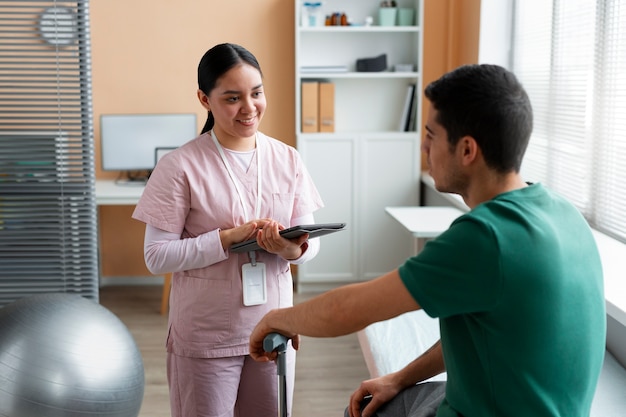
(358,75)
(358,29)
(368,134)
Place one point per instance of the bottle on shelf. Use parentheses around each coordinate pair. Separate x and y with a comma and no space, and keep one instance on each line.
(311,14)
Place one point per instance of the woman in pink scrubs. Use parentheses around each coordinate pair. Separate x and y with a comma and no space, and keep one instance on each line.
(229,184)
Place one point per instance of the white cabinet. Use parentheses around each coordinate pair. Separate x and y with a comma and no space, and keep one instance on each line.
(369,161)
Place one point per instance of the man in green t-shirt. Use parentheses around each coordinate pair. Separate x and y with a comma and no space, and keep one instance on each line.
(516,282)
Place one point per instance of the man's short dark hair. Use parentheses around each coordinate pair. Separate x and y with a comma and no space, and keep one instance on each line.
(488,103)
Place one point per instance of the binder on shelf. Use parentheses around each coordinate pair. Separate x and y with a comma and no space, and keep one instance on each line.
(413,112)
(327,106)
(310,107)
(405,118)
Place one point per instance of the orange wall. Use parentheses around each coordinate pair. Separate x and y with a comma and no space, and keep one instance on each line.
(144,59)
(451,34)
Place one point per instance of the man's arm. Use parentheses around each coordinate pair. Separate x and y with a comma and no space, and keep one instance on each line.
(337,312)
(386,387)
(425,366)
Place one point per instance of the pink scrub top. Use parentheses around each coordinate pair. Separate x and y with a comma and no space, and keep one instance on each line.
(190,192)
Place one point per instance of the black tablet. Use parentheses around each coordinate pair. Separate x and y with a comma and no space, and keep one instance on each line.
(314,230)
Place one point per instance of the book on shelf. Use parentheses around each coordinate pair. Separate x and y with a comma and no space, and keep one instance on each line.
(317,106)
(405,118)
(413,112)
(310,107)
(327,106)
(323,68)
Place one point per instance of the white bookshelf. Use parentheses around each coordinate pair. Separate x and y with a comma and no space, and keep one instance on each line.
(367,163)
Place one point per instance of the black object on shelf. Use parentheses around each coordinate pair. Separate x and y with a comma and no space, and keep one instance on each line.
(375,64)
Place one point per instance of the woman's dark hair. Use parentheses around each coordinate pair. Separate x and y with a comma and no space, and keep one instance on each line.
(488,103)
(215,63)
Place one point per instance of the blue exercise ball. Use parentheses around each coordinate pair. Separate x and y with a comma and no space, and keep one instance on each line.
(65,355)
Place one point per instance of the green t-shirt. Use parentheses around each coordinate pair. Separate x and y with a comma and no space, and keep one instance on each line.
(517,286)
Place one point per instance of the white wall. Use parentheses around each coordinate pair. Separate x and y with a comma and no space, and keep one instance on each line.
(496,25)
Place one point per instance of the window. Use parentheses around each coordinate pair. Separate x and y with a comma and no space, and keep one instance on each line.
(48,236)
(571,57)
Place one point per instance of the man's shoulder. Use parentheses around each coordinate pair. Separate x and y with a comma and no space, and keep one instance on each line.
(535,197)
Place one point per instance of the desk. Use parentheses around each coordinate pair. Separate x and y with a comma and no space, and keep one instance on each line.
(424,222)
(108,193)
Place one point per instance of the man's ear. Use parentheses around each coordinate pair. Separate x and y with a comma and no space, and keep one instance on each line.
(468,150)
(204,100)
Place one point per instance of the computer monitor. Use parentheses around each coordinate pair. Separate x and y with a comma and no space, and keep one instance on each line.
(129,142)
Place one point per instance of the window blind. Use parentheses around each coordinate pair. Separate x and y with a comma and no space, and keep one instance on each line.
(609,168)
(571,57)
(48,234)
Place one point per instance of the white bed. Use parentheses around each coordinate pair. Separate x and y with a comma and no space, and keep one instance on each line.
(389,345)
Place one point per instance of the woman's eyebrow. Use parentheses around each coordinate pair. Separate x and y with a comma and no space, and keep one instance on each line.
(239,92)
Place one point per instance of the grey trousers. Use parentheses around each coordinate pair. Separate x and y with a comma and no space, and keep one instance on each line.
(421,400)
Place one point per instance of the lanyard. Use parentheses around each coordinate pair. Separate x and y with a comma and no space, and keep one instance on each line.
(259,177)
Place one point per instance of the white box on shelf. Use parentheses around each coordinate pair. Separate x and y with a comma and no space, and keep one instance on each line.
(404,67)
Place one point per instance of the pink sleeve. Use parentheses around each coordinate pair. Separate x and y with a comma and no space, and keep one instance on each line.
(313,244)
(166,252)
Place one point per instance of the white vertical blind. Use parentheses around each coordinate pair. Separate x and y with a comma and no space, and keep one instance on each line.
(571,57)
(47,205)
(609,169)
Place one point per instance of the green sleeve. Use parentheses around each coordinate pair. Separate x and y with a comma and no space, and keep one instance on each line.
(456,273)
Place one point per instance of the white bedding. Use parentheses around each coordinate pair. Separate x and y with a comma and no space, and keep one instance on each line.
(390,345)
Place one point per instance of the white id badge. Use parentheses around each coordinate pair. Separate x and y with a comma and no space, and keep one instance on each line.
(254,284)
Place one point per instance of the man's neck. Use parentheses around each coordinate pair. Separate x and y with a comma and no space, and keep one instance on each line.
(486,187)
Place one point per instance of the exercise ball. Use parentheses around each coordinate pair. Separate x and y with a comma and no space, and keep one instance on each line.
(65,355)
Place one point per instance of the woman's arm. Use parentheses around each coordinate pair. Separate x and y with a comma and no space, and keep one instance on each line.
(167,252)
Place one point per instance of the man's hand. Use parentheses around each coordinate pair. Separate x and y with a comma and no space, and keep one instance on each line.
(381,390)
(262,329)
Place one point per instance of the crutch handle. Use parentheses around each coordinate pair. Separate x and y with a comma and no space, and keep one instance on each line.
(277,342)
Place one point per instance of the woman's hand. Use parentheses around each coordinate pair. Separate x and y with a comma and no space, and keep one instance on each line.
(269,238)
(242,233)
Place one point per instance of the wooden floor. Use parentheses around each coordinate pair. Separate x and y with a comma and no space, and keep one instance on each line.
(327,370)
